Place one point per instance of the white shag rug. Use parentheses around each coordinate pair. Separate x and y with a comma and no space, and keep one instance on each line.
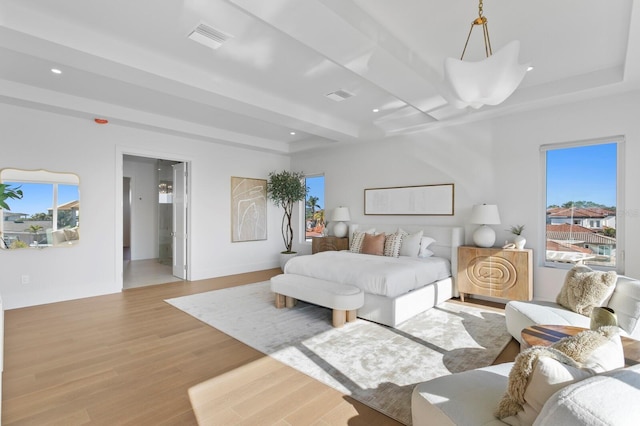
(374,364)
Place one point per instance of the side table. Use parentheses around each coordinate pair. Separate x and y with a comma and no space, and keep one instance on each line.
(319,244)
(546,335)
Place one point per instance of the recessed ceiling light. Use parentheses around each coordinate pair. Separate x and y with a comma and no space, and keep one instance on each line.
(376,110)
(530,68)
(56,71)
(292,133)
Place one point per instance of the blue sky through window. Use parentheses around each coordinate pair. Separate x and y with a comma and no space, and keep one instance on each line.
(584,173)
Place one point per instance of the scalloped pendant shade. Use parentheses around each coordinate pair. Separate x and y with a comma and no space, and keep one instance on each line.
(486,82)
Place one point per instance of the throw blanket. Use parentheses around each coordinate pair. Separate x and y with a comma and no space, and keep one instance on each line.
(382,275)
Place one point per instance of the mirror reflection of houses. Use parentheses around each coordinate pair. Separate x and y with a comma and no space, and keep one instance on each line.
(48,215)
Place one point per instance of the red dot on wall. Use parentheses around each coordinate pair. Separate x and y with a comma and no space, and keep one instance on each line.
(100,120)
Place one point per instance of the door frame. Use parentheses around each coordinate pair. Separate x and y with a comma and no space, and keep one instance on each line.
(121,151)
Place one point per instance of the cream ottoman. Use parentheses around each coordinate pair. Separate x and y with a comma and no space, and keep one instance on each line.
(342,298)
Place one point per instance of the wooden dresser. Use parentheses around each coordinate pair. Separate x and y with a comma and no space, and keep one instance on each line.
(329,244)
(495,272)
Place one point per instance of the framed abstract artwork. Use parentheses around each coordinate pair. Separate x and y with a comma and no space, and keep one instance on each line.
(248,209)
(427,200)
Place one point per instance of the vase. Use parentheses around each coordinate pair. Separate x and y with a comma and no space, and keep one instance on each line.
(284,258)
(519,241)
(602,316)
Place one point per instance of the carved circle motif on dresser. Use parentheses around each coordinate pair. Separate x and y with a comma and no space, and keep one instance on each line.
(492,273)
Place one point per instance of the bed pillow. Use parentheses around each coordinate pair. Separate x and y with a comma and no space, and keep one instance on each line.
(424,243)
(357,238)
(539,372)
(373,244)
(392,244)
(584,289)
(410,244)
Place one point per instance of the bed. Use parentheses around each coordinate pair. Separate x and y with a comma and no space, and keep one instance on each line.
(396,289)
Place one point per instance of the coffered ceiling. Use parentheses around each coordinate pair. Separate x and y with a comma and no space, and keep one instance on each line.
(132,62)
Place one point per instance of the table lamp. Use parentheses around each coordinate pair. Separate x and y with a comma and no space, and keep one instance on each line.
(485,214)
(340,216)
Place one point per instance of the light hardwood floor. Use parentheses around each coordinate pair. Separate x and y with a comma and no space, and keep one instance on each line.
(130,358)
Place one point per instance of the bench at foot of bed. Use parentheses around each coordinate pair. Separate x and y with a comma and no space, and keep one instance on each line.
(342,298)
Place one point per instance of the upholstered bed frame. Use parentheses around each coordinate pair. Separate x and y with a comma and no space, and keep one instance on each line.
(393,311)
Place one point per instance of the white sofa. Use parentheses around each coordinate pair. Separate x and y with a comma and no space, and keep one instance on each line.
(625,301)
(470,398)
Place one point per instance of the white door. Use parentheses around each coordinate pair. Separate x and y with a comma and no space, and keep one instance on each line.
(180,220)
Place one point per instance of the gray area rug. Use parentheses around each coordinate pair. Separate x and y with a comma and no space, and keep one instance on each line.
(372,363)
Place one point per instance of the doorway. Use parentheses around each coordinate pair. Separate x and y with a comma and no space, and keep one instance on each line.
(151,210)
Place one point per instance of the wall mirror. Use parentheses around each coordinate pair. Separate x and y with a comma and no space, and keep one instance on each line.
(47,214)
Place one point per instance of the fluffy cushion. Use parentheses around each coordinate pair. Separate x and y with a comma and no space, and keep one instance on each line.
(357,238)
(373,244)
(533,379)
(392,244)
(424,243)
(585,289)
(410,244)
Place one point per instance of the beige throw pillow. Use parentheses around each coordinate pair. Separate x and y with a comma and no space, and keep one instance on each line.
(584,289)
(392,244)
(539,372)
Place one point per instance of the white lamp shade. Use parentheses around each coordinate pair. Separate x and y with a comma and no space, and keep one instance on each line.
(341,214)
(486,82)
(485,214)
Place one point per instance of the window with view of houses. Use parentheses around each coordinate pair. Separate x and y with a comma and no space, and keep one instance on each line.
(314,221)
(582,203)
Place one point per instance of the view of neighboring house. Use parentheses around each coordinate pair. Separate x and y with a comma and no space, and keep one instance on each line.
(581,234)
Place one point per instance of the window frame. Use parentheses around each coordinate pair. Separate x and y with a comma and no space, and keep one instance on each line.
(619,140)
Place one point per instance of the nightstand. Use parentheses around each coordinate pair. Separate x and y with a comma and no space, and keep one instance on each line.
(495,272)
(319,244)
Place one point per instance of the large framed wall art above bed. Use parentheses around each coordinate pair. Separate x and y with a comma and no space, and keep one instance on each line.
(426,200)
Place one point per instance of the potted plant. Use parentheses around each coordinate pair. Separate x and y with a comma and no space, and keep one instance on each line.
(519,240)
(7,192)
(285,189)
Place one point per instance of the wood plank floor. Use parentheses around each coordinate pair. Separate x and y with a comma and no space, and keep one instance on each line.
(130,358)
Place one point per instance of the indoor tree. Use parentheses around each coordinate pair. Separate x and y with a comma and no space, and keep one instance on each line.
(285,189)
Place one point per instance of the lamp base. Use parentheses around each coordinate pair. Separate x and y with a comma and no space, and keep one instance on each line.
(484,236)
(340,229)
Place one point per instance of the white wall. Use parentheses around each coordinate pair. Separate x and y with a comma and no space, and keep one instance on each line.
(33,139)
(490,162)
(144,206)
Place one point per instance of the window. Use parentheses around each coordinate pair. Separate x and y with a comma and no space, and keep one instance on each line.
(583,199)
(314,219)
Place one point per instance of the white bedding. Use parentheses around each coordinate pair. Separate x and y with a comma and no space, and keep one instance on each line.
(382,275)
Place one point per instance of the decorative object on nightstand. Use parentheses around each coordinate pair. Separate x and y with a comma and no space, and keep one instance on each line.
(319,244)
(495,272)
(518,240)
(340,216)
(485,214)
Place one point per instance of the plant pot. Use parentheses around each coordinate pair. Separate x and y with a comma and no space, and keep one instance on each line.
(519,241)
(284,258)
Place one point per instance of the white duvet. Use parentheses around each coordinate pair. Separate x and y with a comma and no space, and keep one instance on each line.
(382,275)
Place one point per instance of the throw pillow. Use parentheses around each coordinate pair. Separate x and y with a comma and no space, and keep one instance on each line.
(357,238)
(410,244)
(392,244)
(590,352)
(424,243)
(585,289)
(71,234)
(373,244)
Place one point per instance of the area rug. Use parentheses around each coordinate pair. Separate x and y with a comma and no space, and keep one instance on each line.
(374,364)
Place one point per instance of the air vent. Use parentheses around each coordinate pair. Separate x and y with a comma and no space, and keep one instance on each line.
(339,95)
(209,36)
